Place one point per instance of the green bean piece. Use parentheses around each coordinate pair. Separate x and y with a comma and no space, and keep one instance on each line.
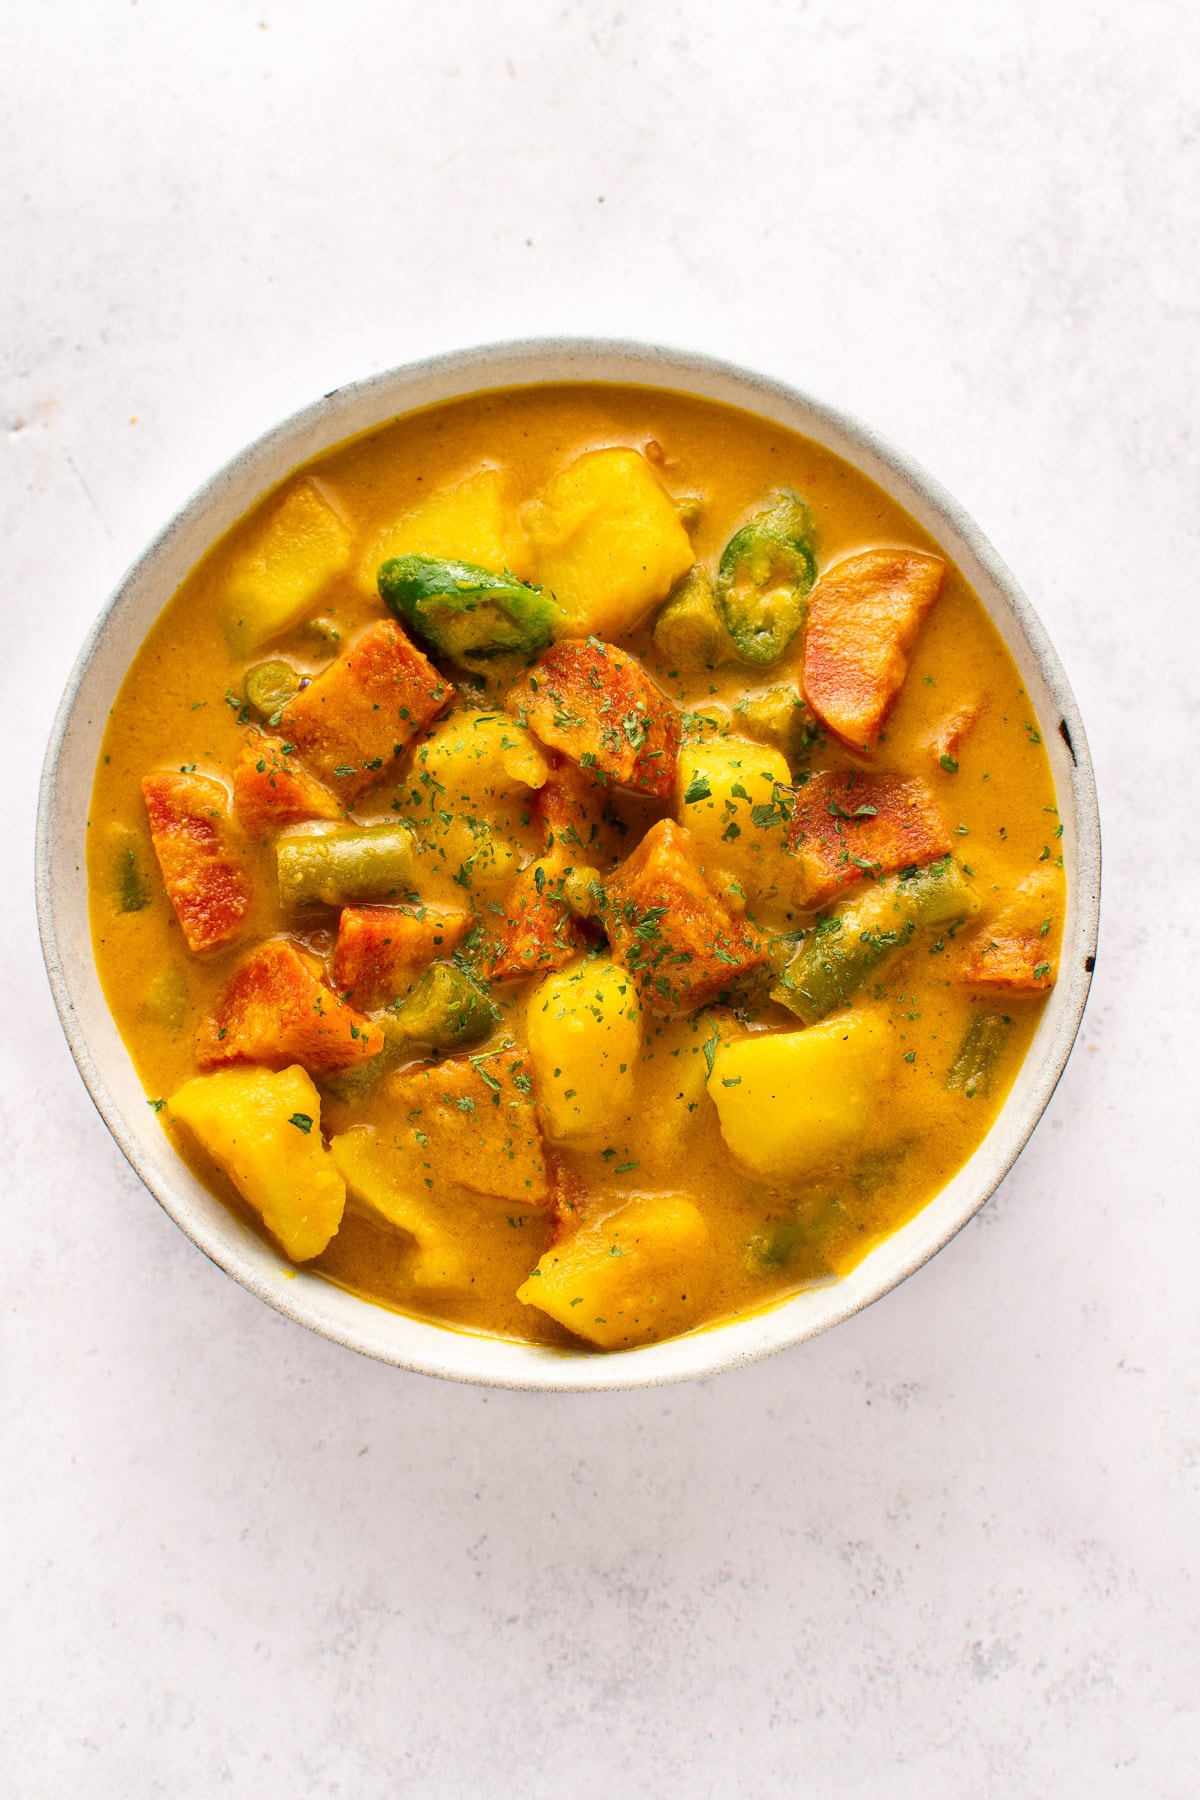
(270,686)
(973,1068)
(844,949)
(465,611)
(355,1084)
(446,1008)
(689,629)
(330,868)
(130,888)
(168,1000)
(766,572)
(781,718)
(774,1246)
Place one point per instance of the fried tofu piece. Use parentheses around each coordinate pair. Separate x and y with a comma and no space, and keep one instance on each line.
(598,706)
(668,927)
(1015,962)
(537,931)
(275,1011)
(203,873)
(845,825)
(471,1120)
(571,807)
(952,733)
(863,619)
(359,715)
(271,790)
(381,950)
(1014,953)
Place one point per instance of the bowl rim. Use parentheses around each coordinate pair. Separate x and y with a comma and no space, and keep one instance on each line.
(419,1345)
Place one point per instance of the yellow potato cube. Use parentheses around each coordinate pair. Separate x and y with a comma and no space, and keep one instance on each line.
(385,1185)
(482,761)
(607,542)
(792,1102)
(584,1027)
(467,523)
(277,580)
(264,1130)
(733,797)
(641,1275)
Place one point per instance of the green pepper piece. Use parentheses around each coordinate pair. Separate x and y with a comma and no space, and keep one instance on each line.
(465,611)
(329,868)
(446,1008)
(269,688)
(766,571)
(353,1085)
(131,890)
(781,718)
(845,948)
(689,629)
(168,1000)
(972,1070)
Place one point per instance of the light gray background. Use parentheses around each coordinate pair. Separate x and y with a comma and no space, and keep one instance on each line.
(948,1550)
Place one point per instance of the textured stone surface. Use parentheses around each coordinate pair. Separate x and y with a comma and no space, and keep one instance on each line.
(949,1549)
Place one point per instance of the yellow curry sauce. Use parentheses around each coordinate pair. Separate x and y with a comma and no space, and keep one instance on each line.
(659,1194)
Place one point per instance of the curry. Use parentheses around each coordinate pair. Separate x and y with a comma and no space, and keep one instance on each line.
(576,863)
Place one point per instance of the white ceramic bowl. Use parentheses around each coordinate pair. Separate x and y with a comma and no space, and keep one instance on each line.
(105,1064)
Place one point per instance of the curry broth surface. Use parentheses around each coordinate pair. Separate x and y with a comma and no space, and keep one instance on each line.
(179,705)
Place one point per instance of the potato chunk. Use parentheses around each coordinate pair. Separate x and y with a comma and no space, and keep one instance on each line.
(735,798)
(203,873)
(360,713)
(275,1011)
(386,1187)
(469,522)
(536,931)
(274,583)
(847,825)
(584,1028)
(264,1131)
(271,790)
(381,950)
(863,619)
(792,1102)
(607,541)
(483,763)
(598,706)
(668,927)
(640,1276)
(471,1120)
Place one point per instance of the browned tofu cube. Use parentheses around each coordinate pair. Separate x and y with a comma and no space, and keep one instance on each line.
(863,619)
(276,1011)
(1015,962)
(271,789)
(536,932)
(471,1120)
(847,825)
(202,871)
(598,706)
(381,950)
(571,807)
(360,713)
(674,934)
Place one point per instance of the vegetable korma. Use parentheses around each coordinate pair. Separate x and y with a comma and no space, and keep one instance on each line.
(575,863)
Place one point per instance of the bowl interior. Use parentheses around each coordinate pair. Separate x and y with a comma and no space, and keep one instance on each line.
(106,1066)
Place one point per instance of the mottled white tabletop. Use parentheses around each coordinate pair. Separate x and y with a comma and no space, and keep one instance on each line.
(949,1549)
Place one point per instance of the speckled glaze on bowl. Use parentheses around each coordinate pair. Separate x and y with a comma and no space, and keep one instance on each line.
(104,1062)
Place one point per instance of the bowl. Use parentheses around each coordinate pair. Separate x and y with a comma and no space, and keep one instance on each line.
(105,1064)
